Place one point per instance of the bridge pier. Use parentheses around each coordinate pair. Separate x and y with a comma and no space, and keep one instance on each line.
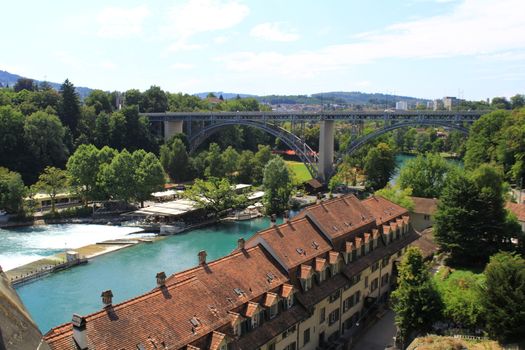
(171,128)
(326,150)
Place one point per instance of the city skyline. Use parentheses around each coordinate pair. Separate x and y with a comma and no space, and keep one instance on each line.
(422,48)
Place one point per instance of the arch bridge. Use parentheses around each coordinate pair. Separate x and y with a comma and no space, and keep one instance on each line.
(198,126)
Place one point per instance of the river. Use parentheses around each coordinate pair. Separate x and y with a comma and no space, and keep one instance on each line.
(52,300)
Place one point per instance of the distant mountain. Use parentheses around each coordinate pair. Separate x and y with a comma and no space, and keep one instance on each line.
(225,95)
(10,79)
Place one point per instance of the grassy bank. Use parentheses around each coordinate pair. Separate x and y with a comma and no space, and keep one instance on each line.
(299,171)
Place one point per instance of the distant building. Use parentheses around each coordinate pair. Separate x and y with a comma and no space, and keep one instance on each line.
(450,102)
(430,104)
(438,105)
(402,105)
(422,216)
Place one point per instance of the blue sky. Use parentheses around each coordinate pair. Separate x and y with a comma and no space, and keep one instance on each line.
(426,48)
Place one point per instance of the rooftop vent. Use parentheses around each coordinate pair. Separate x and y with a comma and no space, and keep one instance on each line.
(240,243)
(315,245)
(299,250)
(141,347)
(273,220)
(270,277)
(238,291)
(107,297)
(161,279)
(79,331)
(202,257)
(195,322)
(335,228)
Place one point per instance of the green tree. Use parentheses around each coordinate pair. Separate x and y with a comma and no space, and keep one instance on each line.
(118,177)
(87,125)
(500,103)
(118,130)
(415,301)
(52,181)
(69,109)
(102,132)
(517,101)
(83,167)
(175,160)
(12,146)
(12,191)
(154,100)
(380,165)
(214,195)
(345,175)
(482,141)
(230,159)
(397,195)
(149,175)
(132,97)
(246,166)
(471,222)
(425,175)
(44,136)
(214,166)
(99,100)
(277,183)
(24,84)
(503,297)
(262,158)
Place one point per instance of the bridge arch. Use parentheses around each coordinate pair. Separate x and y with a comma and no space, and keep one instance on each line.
(303,151)
(354,146)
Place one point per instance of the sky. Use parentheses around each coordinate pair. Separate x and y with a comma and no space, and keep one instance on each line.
(471,49)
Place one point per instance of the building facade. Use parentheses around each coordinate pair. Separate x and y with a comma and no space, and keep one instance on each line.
(309,283)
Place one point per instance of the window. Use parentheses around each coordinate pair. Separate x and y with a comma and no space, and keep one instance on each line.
(307,284)
(385,261)
(384,279)
(291,346)
(374,284)
(351,301)
(333,317)
(366,282)
(271,346)
(255,320)
(399,253)
(223,347)
(427,217)
(322,315)
(273,310)
(289,331)
(289,301)
(375,266)
(306,336)
(335,268)
(334,296)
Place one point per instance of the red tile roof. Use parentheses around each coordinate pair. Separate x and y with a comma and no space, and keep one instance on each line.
(382,209)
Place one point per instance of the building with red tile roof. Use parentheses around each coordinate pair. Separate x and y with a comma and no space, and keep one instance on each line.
(281,289)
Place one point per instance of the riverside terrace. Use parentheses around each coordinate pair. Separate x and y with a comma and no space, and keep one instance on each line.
(309,283)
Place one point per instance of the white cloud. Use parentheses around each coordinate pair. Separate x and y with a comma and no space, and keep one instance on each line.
(120,22)
(109,65)
(472,28)
(200,16)
(181,45)
(219,40)
(181,66)
(273,32)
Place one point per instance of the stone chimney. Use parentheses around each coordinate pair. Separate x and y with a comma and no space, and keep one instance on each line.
(107,297)
(240,243)
(161,279)
(202,257)
(273,220)
(286,216)
(79,331)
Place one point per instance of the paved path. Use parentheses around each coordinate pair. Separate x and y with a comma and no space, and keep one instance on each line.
(380,335)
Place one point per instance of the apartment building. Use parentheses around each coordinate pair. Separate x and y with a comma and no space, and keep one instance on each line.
(309,283)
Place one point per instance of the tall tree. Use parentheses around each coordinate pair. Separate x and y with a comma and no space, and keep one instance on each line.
(175,160)
(132,97)
(245,166)
(12,191)
(24,84)
(154,100)
(214,166)
(415,301)
(83,167)
(277,183)
(503,297)
(69,110)
(52,181)
(517,101)
(230,158)
(262,158)
(99,100)
(426,175)
(44,137)
(380,165)
(118,177)
(12,145)
(102,132)
(149,175)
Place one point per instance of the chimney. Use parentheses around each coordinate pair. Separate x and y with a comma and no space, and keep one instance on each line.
(161,279)
(79,331)
(240,243)
(273,219)
(286,216)
(202,257)
(107,297)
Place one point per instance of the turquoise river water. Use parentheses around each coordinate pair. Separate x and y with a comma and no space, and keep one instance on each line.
(52,300)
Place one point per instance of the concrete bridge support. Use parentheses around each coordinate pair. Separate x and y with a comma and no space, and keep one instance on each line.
(171,128)
(326,150)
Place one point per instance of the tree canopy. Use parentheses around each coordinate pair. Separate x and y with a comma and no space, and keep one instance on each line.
(12,191)
(380,165)
(277,186)
(215,195)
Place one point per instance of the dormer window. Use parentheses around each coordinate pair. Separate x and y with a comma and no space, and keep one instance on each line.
(273,310)
(308,284)
(255,320)
(289,301)
(335,269)
(322,275)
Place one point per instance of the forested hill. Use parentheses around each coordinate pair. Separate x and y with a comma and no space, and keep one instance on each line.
(340,97)
(9,79)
